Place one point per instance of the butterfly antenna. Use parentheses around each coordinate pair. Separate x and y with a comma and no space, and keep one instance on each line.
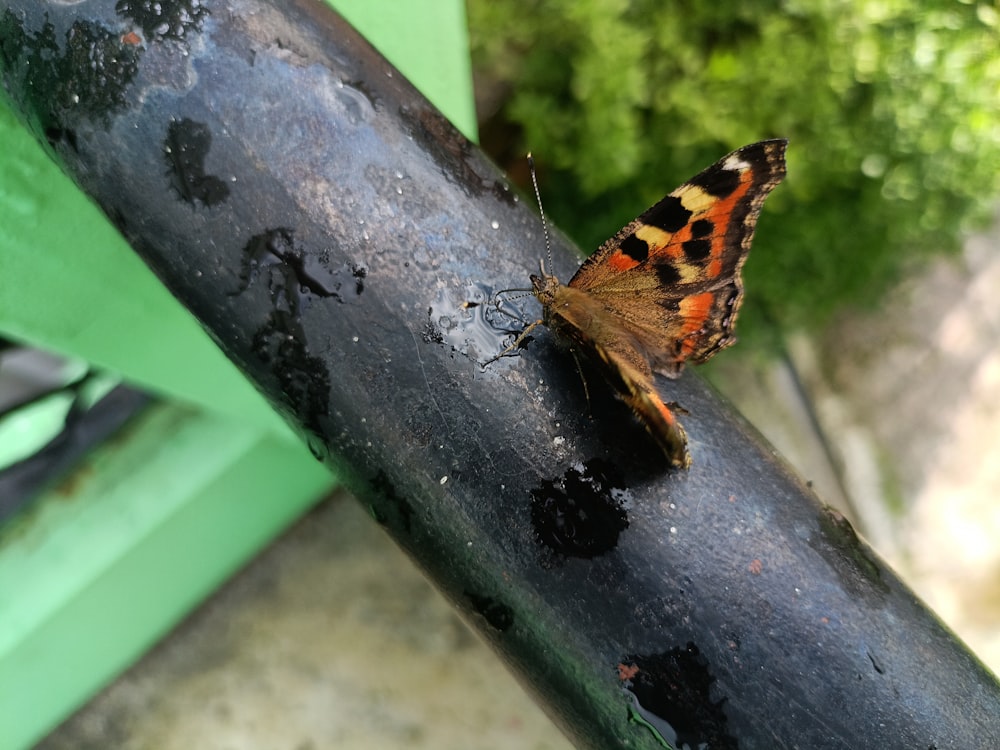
(541,211)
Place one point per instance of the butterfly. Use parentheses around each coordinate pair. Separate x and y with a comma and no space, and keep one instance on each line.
(666,289)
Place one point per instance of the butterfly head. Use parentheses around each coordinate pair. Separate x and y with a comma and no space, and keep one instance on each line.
(544,285)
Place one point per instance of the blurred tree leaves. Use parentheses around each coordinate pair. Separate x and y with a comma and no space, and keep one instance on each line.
(892,108)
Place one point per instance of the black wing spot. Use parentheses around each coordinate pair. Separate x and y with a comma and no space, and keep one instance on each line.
(697,250)
(668,215)
(636,249)
(718,181)
(668,274)
(702,228)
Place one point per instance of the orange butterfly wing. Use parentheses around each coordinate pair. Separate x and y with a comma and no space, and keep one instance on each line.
(667,287)
(673,274)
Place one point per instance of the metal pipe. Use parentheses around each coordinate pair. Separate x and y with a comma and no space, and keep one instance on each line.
(338,239)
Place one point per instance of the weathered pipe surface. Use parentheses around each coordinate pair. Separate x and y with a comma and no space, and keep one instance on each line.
(328,228)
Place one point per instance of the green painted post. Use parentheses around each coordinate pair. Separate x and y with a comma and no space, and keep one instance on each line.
(105,565)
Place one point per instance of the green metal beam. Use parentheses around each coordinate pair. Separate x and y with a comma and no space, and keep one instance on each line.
(110,560)
(100,569)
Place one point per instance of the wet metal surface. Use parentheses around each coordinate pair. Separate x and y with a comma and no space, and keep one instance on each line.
(341,242)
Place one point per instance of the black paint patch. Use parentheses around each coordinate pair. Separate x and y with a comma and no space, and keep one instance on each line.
(499,616)
(636,249)
(697,250)
(59,84)
(702,228)
(671,694)
(185,148)
(302,379)
(164,19)
(718,181)
(669,215)
(580,514)
(295,275)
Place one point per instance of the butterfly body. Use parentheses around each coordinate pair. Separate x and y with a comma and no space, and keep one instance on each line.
(666,289)
(594,330)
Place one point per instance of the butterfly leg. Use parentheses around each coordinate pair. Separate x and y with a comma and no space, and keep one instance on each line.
(583,378)
(517,342)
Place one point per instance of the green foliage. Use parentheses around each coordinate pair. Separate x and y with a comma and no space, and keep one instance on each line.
(892,108)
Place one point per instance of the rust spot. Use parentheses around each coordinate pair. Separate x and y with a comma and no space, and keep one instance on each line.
(627,671)
(755,566)
(71,485)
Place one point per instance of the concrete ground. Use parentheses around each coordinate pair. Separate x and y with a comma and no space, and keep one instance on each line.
(330,638)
